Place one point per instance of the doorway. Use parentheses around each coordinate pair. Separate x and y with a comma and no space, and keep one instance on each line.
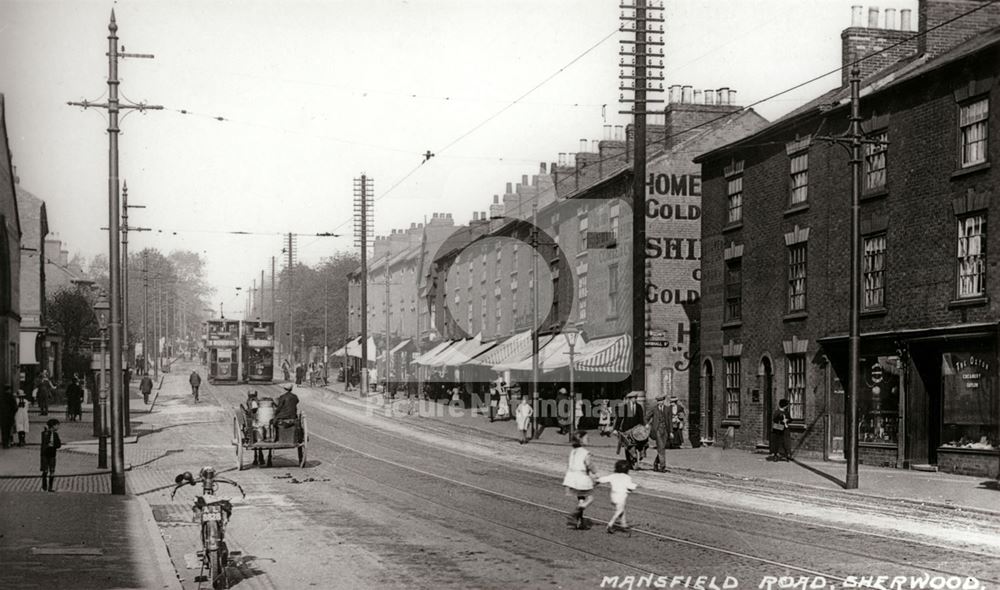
(708,394)
(766,374)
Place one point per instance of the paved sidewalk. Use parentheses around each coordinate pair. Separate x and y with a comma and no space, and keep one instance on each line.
(975,494)
(81,536)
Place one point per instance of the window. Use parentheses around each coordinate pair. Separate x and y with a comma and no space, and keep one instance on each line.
(734,190)
(734,290)
(969,400)
(584,227)
(796,386)
(973,119)
(613,216)
(874,272)
(972,256)
(799,178)
(582,298)
(797,277)
(875,161)
(613,290)
(733,387)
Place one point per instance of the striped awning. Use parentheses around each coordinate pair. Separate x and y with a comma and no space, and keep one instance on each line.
(607,355)
(462,353)
(504,350)
(441,349)
(520,353)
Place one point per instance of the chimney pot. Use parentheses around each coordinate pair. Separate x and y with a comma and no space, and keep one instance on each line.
(619,133)
(686,94)
(413,226)
(583,145)
(723,94)
(696,99)
(448,215)
(890,18)
(475,216)
(541,168)
(524,179)
(872,17)
(607,132)
(709,97)
(562,158)
(904,19)
(674,93)
(731,99)
(856,15)
(482,215)
(510,187)
(595,146)
(496,198)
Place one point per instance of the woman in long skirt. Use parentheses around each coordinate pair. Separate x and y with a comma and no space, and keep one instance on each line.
(579,479)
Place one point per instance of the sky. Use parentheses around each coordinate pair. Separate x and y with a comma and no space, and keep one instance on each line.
(315,93)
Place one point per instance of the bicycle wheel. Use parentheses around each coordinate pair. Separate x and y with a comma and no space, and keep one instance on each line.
(217,571)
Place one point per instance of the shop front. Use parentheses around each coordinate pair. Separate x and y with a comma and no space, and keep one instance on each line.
(928,400)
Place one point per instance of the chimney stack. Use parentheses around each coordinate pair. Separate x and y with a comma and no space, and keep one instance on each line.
(890,45)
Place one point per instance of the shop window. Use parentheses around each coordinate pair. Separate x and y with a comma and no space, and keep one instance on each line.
(796,386)
(973,121)
(878,400)
(733,388)
(797,277)
(969,402)
(875,155)
(972,256)
(874,272)
(734,289)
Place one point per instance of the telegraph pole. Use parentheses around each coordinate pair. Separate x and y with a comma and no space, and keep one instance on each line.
(363,202)
(113,107)
(388,362)
(643,74)
(145,312)
(272,317)
(534,320)
(125,295)
(291,343)
(854,140)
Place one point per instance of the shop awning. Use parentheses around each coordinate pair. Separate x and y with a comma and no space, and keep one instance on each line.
(521,354)
(553,355)
(400,346)
(463,355)
(607,355)
(26,354)
(353,349)
(503,350)
(430,355)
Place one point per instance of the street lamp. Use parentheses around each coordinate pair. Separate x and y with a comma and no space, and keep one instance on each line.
(101,309)
(571,335)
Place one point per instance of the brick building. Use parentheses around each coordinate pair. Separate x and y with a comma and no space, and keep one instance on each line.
(33,355)
(10,271)
(483,287)
(776,236)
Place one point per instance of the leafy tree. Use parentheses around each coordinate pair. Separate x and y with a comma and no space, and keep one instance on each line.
(71,313)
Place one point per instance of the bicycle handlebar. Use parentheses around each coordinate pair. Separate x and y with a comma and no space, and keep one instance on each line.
(200,480)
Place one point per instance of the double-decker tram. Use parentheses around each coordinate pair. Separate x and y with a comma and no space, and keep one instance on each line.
(257,352)
(223,344)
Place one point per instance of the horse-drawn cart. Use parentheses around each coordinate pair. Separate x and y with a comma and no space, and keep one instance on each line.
(257,430)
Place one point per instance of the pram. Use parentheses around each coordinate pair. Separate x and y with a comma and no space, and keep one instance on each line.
(635,441)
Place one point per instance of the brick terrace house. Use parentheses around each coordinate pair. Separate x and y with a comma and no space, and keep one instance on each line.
(776,233)
(484,287)
(35,226)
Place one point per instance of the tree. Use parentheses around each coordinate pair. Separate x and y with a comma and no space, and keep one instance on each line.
(71,313)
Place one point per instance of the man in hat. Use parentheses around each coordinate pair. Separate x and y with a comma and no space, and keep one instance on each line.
(287,407)
(660,429)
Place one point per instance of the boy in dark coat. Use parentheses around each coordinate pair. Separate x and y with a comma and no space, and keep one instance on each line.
(50,443)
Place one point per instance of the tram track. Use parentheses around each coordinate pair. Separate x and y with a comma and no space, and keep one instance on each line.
(332,413)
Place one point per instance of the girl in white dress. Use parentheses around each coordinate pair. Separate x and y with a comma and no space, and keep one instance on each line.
(579,478)
(523,415)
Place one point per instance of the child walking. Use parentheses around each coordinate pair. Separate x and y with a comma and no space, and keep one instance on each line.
(621,484)
(605,418)
(50,443)
(523,414)
(21,421)
(579,479)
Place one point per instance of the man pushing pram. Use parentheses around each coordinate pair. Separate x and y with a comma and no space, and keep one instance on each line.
(631,429)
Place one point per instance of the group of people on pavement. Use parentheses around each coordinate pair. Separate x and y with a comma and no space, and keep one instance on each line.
(314,373)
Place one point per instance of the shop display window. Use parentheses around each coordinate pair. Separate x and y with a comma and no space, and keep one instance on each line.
(969,403)
(878,400)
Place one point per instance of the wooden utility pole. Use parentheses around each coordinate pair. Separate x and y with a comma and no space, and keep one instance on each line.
(637,76)
(113,107)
